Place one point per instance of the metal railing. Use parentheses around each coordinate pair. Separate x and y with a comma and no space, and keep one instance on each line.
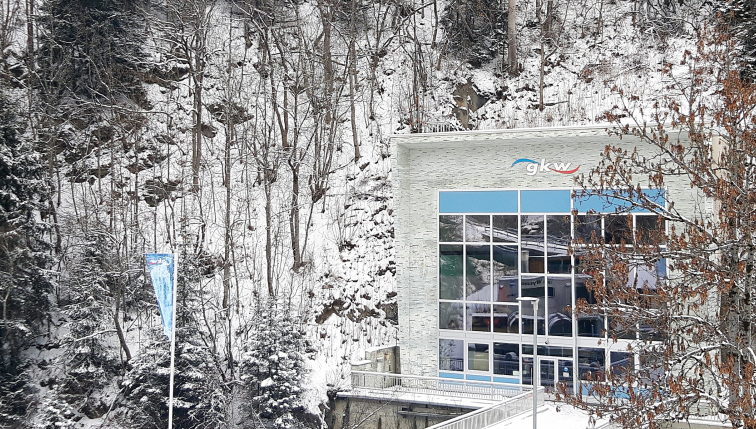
(493,414)
(400,383)
(437,127)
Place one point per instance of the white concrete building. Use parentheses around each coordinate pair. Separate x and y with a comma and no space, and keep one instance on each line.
(485,217)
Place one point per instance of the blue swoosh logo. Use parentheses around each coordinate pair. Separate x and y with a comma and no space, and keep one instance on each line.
(523,160)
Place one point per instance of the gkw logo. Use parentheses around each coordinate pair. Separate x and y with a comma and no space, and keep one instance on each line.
(534,167)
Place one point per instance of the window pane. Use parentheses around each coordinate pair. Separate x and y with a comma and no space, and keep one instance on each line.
(557,244)
(451,355)
(560,314)
(620,362)
(478,273)
(622,327)
(450,271)
(617,229)
(591,323)
(531,233)
(505,273)
(527,370)
(651,367)
(506,359)
(450,315)
(587,228)
(477,357)
(591,364)
(527,349)
(565,374)
(478,228)
(649,229)
(506,319)
(647,276)
(505,229)
(479,317)
(534,287)
(450,228)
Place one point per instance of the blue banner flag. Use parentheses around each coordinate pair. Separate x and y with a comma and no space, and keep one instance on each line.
(161,272)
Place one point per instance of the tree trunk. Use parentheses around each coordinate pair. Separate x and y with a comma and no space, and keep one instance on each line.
(119,331)
(352,78)
(512,39)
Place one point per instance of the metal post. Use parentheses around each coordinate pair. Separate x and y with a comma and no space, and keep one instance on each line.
(536,368)
(173,341)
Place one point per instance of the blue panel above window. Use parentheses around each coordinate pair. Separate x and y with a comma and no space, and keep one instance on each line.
(602,204)
(512,380)
(550,201)
(451,375)
(477,202)
(478,377)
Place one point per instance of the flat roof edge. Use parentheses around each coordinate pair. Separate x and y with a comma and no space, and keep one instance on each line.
(487,134)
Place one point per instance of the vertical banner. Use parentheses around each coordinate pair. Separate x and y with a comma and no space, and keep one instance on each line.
(161,266)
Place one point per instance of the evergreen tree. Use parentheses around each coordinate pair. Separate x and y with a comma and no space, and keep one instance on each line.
(273,368)
(87,362)
(200,395)
(24,286)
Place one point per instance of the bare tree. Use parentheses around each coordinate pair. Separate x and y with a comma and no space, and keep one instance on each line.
(691,325)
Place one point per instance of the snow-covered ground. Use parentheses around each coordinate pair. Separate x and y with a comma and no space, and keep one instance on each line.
(554,416)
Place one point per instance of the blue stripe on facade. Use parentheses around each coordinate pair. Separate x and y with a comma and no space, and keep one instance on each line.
(478,377)
(456,376)
(506,380)
(601,204)
(550,201)
(477,202)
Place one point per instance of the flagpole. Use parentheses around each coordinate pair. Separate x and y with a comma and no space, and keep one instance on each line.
(173,341)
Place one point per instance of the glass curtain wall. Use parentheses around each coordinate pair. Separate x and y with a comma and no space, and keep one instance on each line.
(489,256)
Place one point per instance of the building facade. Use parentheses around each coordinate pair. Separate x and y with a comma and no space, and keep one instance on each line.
(484,218)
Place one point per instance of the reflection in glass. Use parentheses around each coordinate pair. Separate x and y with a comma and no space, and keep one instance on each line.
(587,228)
(534,287)
(450,315)
(560,320)
(506,359)
(527,370)
(478,228)
(649,229)
(505,229)
(478,273)
(505,273)
(450,228)
(646,276)
(590,324)
(479,317)
(564,370)
(451,355)
(527,349)
(622,327)
(620,362)
(557,244)
(477,357)
(450,264)
(591,364)
(651,367)
(506,319)
(618,229)
(546,377)
(531,242)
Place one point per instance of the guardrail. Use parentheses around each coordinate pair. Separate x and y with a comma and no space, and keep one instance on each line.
(401,383)
(493,414)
